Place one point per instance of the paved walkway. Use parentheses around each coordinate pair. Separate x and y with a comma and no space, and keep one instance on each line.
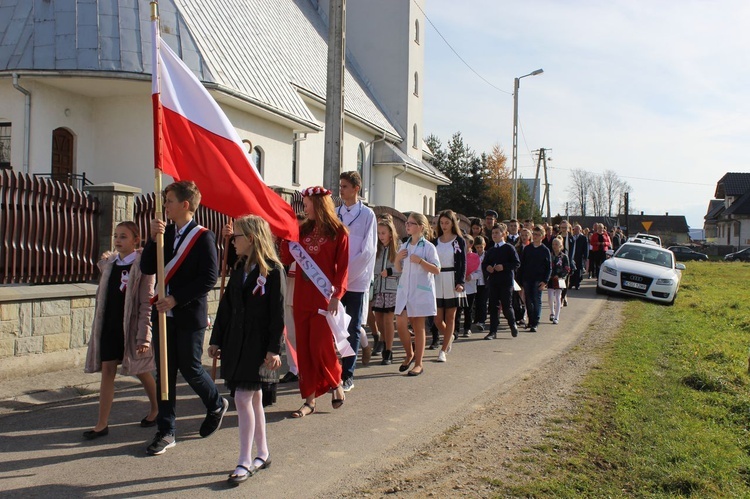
(386,417)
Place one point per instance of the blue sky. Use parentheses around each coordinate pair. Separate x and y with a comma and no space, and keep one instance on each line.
(658,91)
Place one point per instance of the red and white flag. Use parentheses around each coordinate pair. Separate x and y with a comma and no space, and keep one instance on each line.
(194,140)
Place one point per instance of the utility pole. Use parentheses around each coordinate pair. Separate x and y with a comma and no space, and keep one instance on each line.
(334,132)
(542,160)
(627,213)
(536,181)
(546,187)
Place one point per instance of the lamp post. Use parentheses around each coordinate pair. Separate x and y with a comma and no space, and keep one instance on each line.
(514,204)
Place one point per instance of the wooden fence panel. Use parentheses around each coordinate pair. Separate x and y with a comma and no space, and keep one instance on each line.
(49,231)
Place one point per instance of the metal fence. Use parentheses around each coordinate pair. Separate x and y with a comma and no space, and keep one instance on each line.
(49,231)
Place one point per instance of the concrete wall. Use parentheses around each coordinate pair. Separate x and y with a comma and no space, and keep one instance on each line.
(47,328)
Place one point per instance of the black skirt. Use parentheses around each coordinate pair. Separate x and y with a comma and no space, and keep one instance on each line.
(113,335)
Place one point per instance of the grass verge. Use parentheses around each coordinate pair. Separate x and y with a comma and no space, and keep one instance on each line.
(667,413)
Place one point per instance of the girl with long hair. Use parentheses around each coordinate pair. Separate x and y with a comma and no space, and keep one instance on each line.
(121,330)
(418,262)
(556,283)
(247,336)
(385,284)
(449,283)
(326,241)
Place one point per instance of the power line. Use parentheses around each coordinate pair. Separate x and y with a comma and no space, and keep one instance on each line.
(457,54)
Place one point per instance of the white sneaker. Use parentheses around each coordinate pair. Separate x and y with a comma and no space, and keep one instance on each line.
(554,321)
(442,356)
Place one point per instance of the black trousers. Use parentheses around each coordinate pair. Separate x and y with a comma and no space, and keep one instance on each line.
(467,312)
(501,296)
(480,305)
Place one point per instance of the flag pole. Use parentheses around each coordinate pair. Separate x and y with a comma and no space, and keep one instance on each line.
(224,254)
(161,288)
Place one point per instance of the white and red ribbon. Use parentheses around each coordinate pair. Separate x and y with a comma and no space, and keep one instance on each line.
(339,323)
(260,286)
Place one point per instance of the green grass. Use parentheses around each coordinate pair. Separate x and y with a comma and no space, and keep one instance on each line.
(667,414)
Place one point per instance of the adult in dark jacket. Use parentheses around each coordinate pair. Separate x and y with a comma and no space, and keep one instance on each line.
(579,256)
(501,263)
(536,268)
(186,306)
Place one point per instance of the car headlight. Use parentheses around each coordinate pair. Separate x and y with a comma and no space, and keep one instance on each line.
(609,270)
(665,282)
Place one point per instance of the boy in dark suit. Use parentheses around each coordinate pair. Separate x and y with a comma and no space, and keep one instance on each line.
(191,270)
(501,262)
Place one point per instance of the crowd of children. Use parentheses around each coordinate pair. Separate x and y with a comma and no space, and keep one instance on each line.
(312,296)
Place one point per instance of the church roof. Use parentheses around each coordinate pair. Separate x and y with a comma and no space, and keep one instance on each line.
(263,51)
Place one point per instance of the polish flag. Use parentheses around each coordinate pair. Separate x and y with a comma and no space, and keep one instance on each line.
(194,140)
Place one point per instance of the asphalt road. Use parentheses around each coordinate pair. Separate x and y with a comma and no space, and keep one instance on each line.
(385,418)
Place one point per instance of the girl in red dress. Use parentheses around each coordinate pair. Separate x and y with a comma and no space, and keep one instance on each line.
(325,239)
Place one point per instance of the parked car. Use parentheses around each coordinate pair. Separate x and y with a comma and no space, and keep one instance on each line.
(641,269)
(742,256)
(685,254)
(646,237)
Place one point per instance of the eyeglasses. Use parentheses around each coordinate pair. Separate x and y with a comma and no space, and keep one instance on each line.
(235,236)
(409,222)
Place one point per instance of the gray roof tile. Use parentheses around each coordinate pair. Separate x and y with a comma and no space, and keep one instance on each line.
(732,184)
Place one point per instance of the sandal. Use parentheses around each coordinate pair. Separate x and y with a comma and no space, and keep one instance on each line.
(238,479)
(300,413)
(264,463)
(336,403)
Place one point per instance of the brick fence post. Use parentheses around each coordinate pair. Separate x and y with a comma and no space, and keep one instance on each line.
(117,205)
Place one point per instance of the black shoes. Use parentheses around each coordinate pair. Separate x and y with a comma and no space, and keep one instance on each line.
(160,444)
(289,377)
(93,434)
(491,336)
(213,419)
(514,331)
(387,358)
(146,423)
(404,367)
(532,329)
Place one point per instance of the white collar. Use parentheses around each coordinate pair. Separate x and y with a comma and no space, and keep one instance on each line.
(127,260)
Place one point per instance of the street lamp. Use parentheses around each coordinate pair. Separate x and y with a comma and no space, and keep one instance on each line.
(514,205)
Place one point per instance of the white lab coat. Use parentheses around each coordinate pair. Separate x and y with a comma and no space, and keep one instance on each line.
(416,286)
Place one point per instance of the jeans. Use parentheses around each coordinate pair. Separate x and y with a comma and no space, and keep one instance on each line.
(184,351)
(353,301)
(533,301)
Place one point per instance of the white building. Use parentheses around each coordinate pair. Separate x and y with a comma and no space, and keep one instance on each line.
(75,88)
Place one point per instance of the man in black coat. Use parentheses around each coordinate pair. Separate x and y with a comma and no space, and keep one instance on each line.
(191,251)
(501,263)
(579,255)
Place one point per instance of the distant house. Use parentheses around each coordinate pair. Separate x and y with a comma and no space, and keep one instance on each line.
(672,229)
(75,89)
(728,216)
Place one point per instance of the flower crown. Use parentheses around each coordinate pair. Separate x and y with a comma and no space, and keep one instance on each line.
(316,191)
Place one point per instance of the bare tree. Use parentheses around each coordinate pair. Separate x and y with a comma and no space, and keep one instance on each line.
(614,188)
(579,190)
(597,195)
